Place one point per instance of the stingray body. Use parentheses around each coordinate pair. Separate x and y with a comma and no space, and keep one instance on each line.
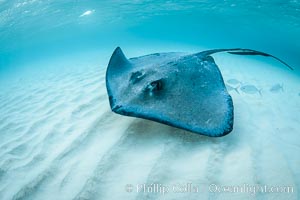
(186,91)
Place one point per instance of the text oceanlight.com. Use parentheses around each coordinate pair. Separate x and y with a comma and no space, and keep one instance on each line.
(251,189)
(212,188)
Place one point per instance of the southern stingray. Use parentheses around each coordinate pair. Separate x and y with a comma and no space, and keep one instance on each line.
(186,91)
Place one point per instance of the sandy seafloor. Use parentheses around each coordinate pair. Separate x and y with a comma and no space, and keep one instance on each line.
(59,139)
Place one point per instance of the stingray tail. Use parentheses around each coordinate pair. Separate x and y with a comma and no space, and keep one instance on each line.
(240,51)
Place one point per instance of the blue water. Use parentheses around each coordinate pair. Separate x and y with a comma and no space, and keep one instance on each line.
(33,29)
(60,140)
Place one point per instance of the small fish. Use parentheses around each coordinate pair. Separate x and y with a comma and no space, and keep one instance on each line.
(230,88)
(233,81)
(250,89)
(277,88)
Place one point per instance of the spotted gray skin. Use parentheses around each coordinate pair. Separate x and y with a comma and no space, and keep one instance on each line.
(186,91)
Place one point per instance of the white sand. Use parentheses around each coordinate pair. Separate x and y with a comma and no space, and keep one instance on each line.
(59,139)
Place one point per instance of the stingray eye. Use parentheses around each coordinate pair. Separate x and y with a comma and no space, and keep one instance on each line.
(154,86)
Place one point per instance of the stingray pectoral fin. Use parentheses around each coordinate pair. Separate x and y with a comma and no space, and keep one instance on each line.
(245,52)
